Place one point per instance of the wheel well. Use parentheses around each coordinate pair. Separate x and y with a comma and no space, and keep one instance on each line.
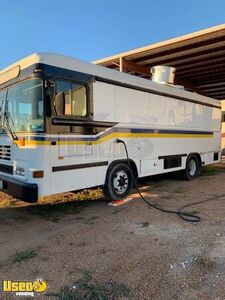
(134,169)
(132,163)
(198,157)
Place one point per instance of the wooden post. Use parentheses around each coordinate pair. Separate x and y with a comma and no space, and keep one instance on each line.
(121,64)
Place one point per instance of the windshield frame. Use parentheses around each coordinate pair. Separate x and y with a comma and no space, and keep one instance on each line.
(3,129)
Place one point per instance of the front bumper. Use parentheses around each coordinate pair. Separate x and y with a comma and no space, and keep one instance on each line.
(27,192)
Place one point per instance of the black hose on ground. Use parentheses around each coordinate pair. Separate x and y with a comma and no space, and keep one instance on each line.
(189,217)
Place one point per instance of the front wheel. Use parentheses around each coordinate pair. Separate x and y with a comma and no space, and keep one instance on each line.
(119,181)
(193,167)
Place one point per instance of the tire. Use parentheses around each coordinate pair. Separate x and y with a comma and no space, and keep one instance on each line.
(193,167)
(119,181)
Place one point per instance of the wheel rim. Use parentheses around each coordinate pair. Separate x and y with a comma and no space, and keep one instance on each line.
(120,182)
(192,168)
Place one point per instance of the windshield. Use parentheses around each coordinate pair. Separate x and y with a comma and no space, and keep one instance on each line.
(24,106)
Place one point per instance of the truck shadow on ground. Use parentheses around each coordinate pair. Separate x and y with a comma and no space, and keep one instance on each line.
(55,207)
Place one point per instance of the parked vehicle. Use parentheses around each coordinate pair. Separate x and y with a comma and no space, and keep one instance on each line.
(61,119)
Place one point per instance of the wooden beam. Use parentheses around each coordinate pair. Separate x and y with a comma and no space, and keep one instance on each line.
(215,88)
(125,65)
(215,93)
(206,86)
(191,38)
(131,66)
(186,84)
(203,69)
(181,50)
(117,64)
(121,64)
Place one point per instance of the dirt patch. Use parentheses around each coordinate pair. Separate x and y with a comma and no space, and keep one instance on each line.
(89,250)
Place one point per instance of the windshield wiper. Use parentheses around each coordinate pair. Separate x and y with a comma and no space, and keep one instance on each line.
(12,133)
(6,116)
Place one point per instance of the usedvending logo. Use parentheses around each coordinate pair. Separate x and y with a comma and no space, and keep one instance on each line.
(24,288)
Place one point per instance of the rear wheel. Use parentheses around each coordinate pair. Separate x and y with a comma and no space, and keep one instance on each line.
(119,181)
(193,167)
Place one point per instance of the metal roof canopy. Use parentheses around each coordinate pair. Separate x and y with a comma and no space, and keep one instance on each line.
(199,59)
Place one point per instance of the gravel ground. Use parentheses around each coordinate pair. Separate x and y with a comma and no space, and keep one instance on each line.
(90,250)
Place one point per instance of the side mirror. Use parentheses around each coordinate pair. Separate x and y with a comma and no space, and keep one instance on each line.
(60,104)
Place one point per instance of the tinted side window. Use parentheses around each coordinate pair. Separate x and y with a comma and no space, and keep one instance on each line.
(75,98)
(223,116)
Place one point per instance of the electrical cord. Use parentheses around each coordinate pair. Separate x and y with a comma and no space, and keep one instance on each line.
(202,201)
(189,217)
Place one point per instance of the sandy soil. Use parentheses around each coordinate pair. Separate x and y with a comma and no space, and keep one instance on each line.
(90,250)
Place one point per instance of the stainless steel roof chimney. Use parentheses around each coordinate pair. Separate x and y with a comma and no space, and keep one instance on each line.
(163,74)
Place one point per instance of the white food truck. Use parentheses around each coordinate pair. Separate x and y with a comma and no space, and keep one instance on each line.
(62,121)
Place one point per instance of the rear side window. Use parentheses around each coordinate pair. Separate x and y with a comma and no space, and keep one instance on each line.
(223,116)
(75,97)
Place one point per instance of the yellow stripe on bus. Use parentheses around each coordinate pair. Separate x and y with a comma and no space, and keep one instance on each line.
(117,135)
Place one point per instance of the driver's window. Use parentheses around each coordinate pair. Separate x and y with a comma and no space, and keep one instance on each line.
(75,98)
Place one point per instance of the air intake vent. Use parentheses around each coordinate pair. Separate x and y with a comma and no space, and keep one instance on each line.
(6,169)
(5,152)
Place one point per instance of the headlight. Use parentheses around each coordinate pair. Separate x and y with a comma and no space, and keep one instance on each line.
(20,171)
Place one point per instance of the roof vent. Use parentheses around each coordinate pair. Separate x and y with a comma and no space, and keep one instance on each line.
(163,74)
